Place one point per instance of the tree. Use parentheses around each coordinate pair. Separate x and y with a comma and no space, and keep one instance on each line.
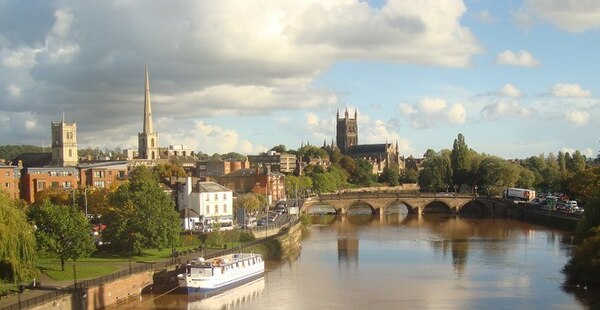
(390,174)
(62,230)
(460,160)
(437,173)
(364,173)
(18,255)
(55,195)
(248,201)
(167,170)
(585,184)
(279,148)
(296,185)
(141,216)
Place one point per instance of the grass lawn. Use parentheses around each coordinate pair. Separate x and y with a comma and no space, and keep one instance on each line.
(84,269)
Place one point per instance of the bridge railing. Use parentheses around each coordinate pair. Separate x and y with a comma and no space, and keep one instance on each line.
(390,194)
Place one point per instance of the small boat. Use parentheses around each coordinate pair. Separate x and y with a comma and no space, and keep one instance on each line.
(219,273)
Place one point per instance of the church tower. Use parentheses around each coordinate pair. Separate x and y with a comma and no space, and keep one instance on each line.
(148,139)
(64,144)
(346,131)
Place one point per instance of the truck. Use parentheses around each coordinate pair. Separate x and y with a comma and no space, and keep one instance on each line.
(519,194)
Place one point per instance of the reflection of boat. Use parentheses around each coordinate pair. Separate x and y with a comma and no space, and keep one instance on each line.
(204,276)
(229,298)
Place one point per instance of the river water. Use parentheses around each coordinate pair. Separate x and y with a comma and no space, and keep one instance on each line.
(407,262)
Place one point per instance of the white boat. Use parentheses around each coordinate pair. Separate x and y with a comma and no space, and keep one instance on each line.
(219,273)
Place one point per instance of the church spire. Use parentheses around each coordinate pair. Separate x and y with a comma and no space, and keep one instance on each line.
(147,107)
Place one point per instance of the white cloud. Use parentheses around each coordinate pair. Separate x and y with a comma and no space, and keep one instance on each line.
(62,26)
(570,90)
(569,15)
(319,129)
(577,118)
(432,105)
(504,109)
(510,91)
(210,59)
(457,114)
(30,124)
(519,59)
(13,90)
(433,112)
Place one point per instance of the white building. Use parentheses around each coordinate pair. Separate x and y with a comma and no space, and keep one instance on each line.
(206,202)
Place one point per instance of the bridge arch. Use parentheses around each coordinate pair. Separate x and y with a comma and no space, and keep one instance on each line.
(357,205)
(475,208)
(438,206)
(389,206)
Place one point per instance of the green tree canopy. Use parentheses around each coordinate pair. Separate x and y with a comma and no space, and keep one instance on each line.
(62,230)
(390,175)
(250,202)
(18,255)
(142,215)
(460,161)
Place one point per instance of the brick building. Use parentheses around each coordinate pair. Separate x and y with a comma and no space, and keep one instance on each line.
(102,174)
(34,179)
(9,180)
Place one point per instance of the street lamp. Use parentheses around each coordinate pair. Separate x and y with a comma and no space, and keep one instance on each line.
(446,188)
(455,187)
(475,190)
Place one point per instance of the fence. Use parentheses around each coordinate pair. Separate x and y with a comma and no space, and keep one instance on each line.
(81,287)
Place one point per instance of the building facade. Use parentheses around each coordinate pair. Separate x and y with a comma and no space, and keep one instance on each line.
(64,144)
(36,179)
(346,131)
(213,169)
(281,162)
(9,180)
(209,201)
(148,146)
(102,174)
(256,180)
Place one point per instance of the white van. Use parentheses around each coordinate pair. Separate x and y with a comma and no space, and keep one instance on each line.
(250,223)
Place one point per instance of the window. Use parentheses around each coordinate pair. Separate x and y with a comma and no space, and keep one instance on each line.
(207,197)
(99,184)
(216,197)
(224,208)
(7,184)
(7,173)
(41,185)
(152,142)
(207,209)
(67,184)
(99,174)
(54,184)
(70,153)
(224,195)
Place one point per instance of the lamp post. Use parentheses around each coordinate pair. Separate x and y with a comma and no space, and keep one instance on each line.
(476,190)
(446,188)
(455,187)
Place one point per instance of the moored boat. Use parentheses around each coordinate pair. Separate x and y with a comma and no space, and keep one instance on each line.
(219,273)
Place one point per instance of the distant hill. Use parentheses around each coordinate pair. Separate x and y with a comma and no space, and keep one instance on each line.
(8,152)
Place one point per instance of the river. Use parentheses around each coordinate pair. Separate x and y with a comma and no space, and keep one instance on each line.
(407,262)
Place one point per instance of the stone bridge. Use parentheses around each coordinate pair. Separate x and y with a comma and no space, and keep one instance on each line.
(416,203)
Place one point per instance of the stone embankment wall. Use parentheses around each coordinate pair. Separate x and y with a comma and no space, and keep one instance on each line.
(118,291)
(66,302)
(290,242)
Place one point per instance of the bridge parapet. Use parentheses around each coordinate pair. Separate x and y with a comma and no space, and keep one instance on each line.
(414,202)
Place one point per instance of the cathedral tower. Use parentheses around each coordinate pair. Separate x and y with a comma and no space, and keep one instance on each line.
(64,144)
(346,131)
(148,139)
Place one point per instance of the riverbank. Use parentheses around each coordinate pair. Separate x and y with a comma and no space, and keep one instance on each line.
(549,219)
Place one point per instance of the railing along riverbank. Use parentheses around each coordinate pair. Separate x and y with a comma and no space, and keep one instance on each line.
(78,289)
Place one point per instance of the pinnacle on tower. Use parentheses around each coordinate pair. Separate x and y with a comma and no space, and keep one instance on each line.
(147,106)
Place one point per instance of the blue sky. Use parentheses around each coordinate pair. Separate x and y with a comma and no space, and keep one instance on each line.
(517,78)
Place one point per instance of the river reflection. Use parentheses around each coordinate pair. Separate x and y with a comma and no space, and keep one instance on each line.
(414,261)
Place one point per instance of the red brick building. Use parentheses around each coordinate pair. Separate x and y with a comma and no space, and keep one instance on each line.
(102,174)
(9,180)
(258,181)
(34,180)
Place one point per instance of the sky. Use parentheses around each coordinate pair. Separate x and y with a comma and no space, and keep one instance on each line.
(516,78)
